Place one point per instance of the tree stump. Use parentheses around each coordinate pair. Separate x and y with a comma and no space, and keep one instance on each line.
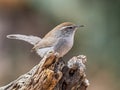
(53,74)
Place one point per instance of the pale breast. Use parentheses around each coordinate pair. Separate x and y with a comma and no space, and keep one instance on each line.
(63,46)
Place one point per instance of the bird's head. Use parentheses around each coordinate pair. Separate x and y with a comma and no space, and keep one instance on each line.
(66,28)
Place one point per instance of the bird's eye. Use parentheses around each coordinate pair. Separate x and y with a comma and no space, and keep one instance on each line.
(70,27)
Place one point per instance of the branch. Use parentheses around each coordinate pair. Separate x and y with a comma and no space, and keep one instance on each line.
(53,74)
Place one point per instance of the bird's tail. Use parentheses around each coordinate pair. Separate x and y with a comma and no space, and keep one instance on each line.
(30,39)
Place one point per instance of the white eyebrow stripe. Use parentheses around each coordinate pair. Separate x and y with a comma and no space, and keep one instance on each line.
(65,27)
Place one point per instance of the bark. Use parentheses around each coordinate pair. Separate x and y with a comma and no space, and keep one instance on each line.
(53,74)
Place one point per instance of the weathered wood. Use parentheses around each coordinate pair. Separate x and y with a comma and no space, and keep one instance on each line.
(53,74)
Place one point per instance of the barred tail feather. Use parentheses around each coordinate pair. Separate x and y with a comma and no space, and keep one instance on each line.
(30,39)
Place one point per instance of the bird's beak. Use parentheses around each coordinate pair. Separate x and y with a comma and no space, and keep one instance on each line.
(81,25)
(78,26)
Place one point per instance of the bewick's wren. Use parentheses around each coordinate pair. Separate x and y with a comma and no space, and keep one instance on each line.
(59,40)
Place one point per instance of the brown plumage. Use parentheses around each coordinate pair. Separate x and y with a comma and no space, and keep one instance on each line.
(45,43)
(63,24)
(60,39)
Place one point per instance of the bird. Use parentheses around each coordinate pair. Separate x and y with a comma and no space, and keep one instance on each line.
(60,39)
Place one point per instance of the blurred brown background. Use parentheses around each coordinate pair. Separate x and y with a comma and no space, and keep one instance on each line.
(99,40)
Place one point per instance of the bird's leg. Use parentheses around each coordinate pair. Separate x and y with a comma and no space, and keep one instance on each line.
(61,59)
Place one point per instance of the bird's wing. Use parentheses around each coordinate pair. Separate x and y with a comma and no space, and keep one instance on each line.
(45,42)
(30,39)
